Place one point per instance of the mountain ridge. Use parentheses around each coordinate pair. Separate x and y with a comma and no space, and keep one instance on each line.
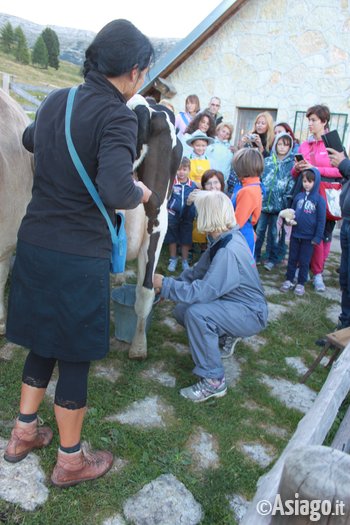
(74,41)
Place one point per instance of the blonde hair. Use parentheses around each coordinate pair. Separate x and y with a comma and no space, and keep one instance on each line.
(248,162)
(215,212)
(225,125)
(270,133)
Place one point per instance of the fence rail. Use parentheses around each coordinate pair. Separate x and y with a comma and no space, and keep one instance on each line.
(311,430)
(24,91)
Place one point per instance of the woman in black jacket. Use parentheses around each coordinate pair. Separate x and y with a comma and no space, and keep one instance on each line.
(59,296)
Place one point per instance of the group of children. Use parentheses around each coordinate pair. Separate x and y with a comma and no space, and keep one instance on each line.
(259,188)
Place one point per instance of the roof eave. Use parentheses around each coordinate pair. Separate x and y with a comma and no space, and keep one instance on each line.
(188,45)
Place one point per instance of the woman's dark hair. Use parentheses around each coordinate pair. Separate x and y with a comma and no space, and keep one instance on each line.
(209,174)
(288,130)
(117,48)
(322,112)
(193,125)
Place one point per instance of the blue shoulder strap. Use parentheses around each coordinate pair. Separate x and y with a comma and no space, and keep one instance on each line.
(81,170)
(184,118)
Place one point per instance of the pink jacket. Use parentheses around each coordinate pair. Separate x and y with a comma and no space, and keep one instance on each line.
(314,151)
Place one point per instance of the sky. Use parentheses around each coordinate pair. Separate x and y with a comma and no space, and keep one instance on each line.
(155,18)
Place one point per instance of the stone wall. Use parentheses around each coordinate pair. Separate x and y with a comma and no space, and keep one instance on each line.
(286,55)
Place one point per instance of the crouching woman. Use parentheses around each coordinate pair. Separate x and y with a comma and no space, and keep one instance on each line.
(221,295)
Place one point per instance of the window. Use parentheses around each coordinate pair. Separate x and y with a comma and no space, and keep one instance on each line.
(245,120)
(339,121)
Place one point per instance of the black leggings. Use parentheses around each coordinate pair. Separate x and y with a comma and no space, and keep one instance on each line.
(71,389)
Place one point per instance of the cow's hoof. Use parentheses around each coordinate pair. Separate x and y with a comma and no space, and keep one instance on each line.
(137,354)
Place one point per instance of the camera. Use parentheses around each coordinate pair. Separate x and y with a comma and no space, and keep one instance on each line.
(250,136)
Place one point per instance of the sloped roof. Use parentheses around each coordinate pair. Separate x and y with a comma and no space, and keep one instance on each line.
(188,45)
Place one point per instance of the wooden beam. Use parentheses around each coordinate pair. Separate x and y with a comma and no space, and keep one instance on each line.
(311,430)
(341,440)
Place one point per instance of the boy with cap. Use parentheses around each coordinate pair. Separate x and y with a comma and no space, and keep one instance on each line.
(199,141)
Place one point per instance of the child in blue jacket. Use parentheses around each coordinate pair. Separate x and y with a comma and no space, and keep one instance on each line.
(310,215)
(180,216)
(278,183)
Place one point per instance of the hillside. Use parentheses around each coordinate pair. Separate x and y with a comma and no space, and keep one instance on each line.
(73,42)
(67,75)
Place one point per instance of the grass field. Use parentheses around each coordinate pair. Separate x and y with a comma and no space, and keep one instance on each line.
(248,414)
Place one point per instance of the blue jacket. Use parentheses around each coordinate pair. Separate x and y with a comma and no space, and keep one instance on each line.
(277,179)
(310,213)
(344,168)
(177,203)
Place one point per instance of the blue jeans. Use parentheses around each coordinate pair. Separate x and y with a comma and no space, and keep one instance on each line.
(206,322)
(344,273)
(300,253)
(267,221)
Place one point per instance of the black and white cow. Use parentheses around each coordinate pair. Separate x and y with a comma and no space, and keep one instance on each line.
(159,153)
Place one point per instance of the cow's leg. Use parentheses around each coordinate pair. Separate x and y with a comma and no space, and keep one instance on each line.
(147,262)
(4,271)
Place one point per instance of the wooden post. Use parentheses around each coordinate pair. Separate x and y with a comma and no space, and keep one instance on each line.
(311,430)
(316,484)
(6,83)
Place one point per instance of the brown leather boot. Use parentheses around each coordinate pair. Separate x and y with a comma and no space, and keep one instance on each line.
(77,467)
(24,438)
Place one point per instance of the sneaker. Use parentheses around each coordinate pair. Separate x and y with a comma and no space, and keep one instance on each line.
(299,289)
(204,389)
(172,264)
(286,286)
(185,264)
(229,345)
(269,266)
(318,283)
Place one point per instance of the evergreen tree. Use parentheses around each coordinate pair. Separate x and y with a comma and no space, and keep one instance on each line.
(40,56)
(7,37)
(53,46)
(21,51)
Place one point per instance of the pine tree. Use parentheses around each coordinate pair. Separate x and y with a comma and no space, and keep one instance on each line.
(53,46)
(7,38)
(40,56)
(21,51)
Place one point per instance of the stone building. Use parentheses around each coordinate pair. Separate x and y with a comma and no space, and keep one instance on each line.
(259,55)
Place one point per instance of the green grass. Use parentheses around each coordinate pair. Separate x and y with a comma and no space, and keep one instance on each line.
(243,416)
(66,75)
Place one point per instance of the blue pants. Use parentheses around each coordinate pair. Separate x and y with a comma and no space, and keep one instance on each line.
(205,323)
(267,221)
(300,253)
(344,274)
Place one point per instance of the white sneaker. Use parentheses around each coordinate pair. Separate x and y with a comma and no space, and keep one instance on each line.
(299,290)
(318,283)
(269,266)
(172,264)
(286,286)
(185,264)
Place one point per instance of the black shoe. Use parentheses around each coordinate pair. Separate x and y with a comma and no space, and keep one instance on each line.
(321,342)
